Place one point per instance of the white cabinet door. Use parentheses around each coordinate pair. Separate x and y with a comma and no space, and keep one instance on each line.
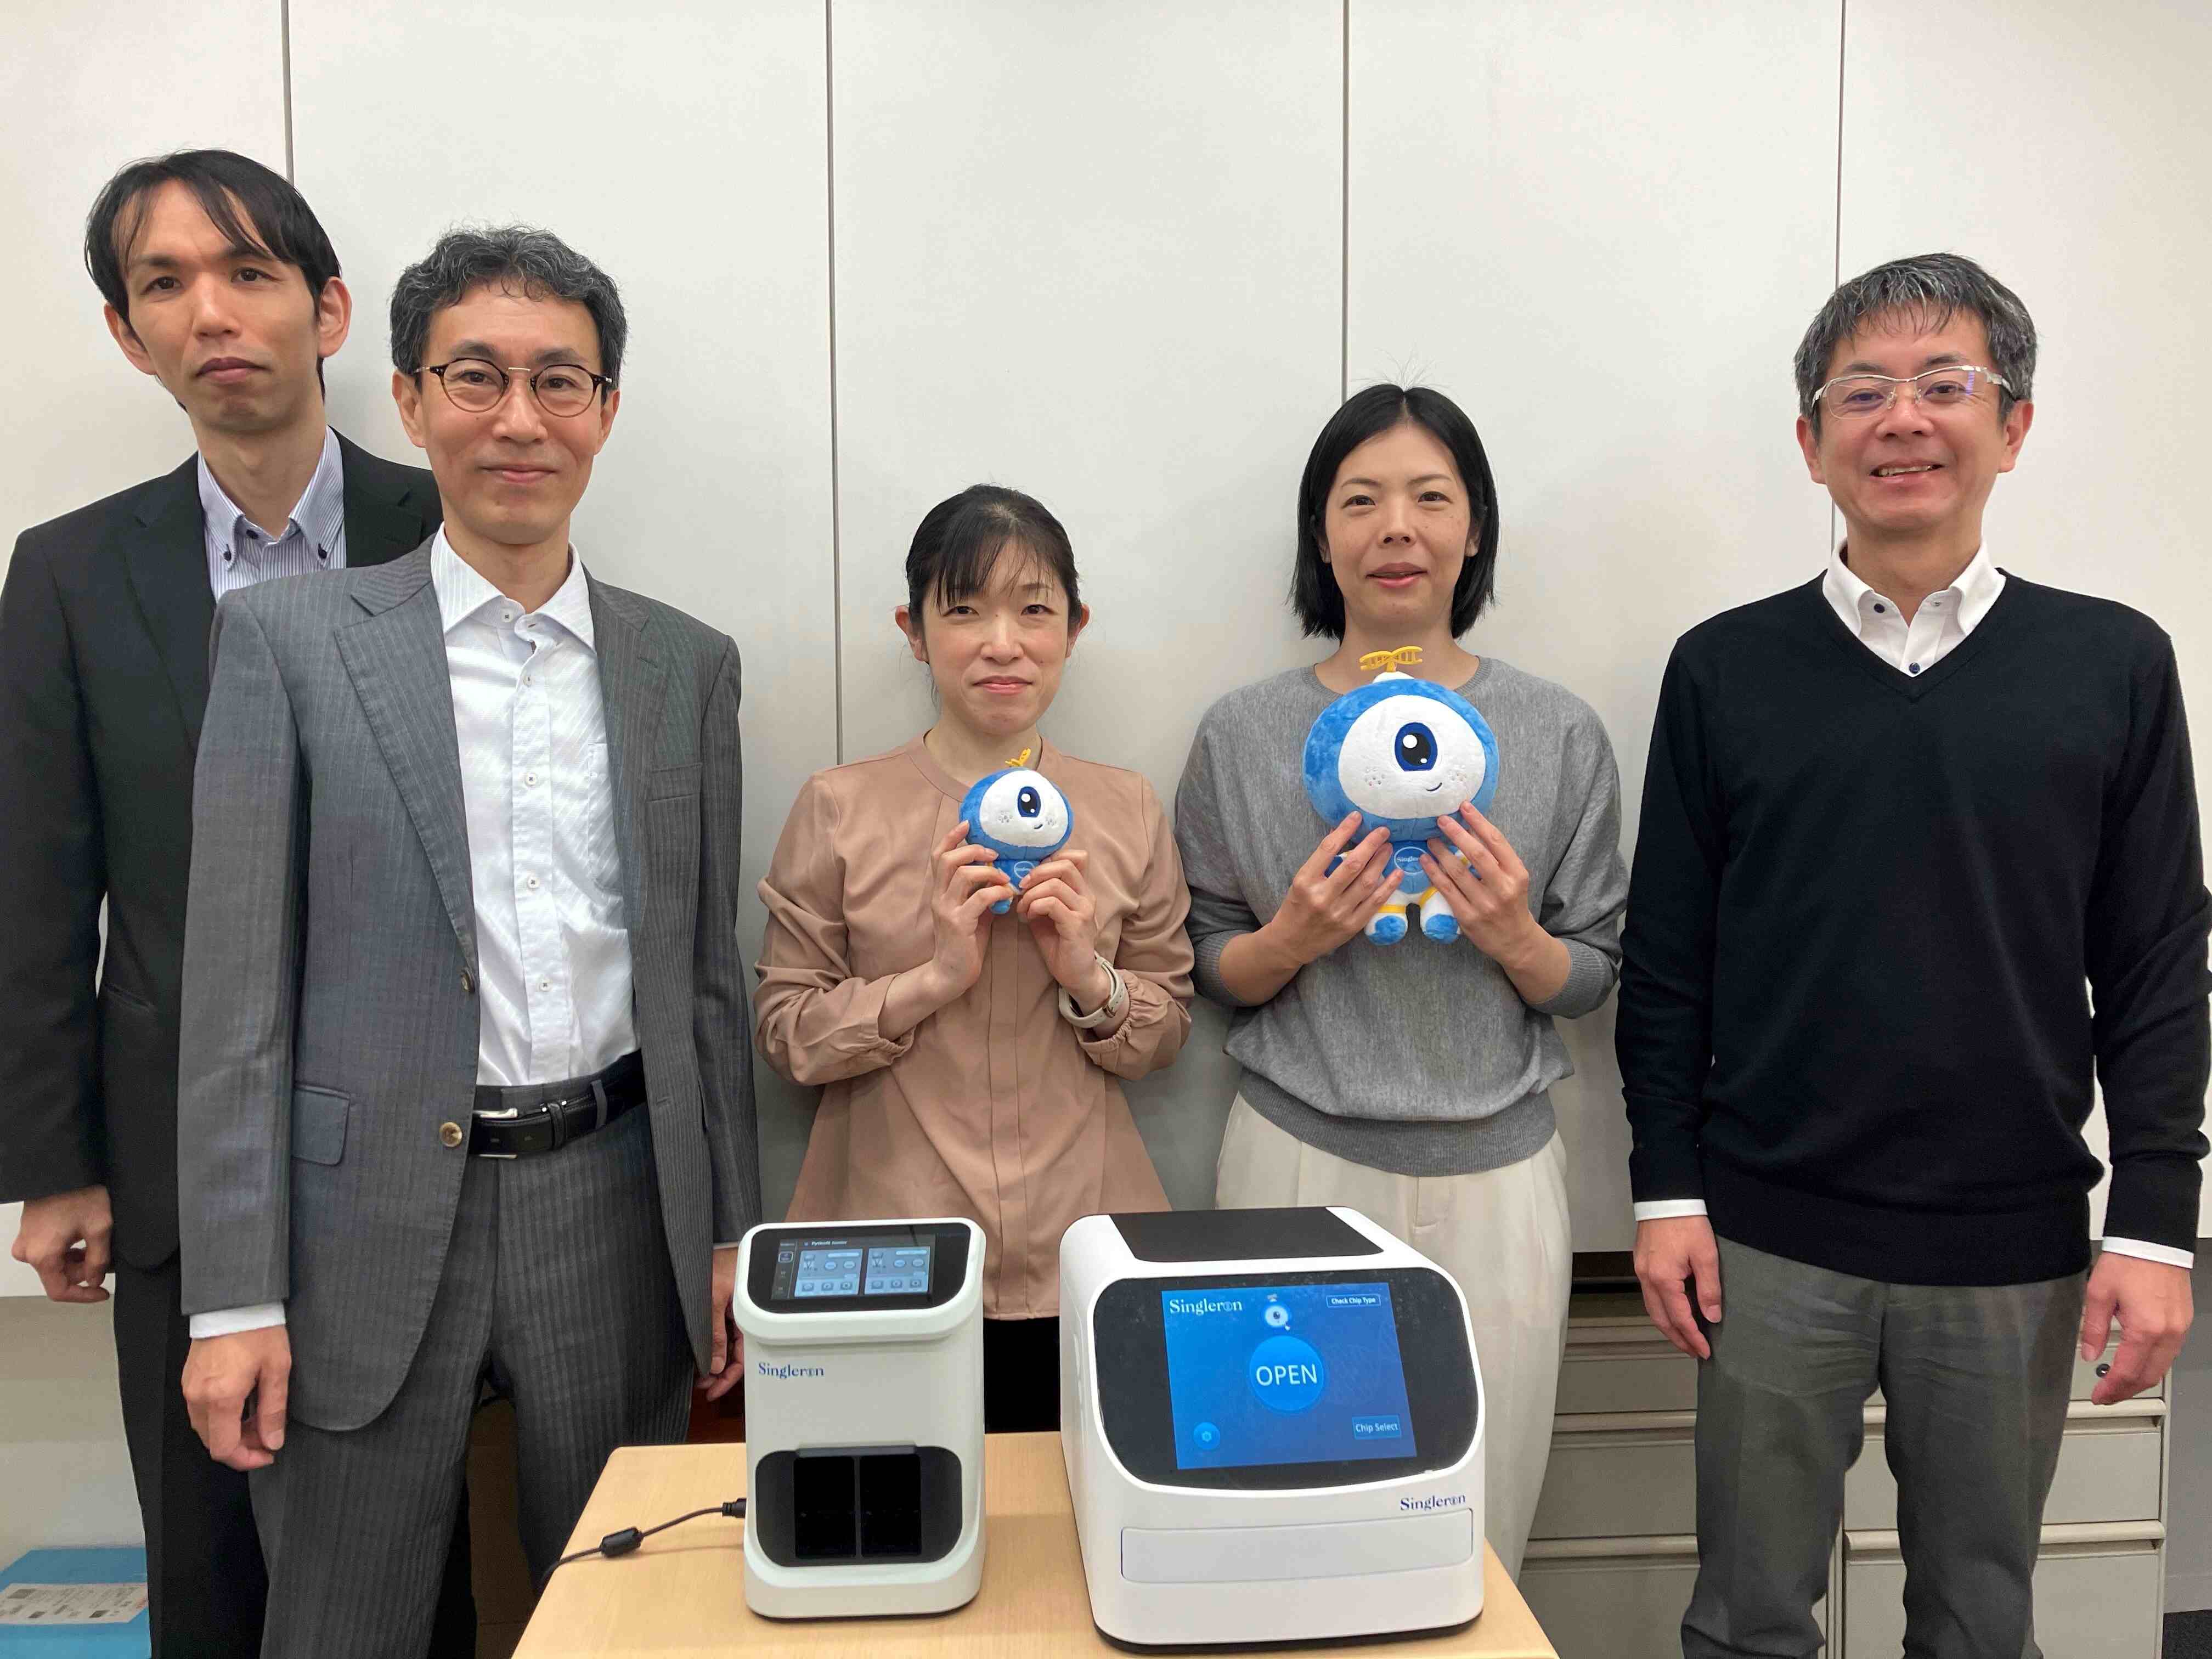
(2094,1600)
(2109,1469)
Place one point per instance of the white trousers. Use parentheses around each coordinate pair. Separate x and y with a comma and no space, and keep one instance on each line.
(1503,1234)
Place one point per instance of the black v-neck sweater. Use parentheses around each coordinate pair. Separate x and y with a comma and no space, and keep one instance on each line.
(1882,927)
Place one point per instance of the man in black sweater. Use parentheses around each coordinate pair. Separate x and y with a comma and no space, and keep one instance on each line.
(1919,859)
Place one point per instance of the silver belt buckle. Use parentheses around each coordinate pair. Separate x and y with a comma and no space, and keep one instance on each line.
(507,1113)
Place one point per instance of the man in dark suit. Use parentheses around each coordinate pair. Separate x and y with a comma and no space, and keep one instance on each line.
(465,1088)
(219,283)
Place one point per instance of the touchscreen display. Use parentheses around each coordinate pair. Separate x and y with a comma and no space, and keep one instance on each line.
(1284,1374)
(828,1273)
(891,1270)
(897,1269)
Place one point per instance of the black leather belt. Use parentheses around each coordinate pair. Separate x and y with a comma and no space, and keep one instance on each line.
(543,1117)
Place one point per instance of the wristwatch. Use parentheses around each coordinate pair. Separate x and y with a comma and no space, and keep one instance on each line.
(1117,999)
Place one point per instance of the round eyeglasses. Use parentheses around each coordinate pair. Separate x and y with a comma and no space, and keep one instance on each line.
(1853,397)
(480,386)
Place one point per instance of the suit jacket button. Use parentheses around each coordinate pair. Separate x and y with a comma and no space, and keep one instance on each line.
(450,1134)
(468,984)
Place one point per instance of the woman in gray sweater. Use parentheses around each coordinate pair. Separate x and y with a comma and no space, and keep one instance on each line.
(1409,1080)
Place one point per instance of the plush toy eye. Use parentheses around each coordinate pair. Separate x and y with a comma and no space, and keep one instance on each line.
(1416,747)
(1023,809)
(1410,758)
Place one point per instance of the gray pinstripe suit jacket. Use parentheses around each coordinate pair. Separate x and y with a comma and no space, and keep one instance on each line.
(329,1020)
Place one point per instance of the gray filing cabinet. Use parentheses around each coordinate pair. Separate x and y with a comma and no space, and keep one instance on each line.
(1615,1549)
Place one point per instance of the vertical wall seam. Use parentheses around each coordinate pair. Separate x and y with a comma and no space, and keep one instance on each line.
(1842,45)
(1344,227)
(836,519)
(1843,59)
(284,53)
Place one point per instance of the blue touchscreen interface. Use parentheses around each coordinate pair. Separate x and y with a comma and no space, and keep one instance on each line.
(1284,1374)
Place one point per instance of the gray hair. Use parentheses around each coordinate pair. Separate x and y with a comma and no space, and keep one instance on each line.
(537,263)
(1930,288)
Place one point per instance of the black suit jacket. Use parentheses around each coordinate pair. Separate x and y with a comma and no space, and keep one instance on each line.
(104,625)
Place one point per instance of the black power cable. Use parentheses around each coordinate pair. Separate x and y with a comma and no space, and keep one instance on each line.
(622,1542)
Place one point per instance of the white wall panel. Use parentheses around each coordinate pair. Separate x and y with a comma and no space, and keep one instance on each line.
(62,1453)
(1092,252)
(1602,230)
(2069,150)
(685,151)
(87,89)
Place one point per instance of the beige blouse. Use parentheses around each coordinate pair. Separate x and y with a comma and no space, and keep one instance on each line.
(994,1107)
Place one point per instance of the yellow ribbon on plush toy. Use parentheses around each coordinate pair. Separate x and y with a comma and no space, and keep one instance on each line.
(1023,759)
(1406,656)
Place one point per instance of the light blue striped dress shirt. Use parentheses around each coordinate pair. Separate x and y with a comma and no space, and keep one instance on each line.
(241,553)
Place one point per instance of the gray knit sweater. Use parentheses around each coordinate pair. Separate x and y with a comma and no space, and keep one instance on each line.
(1417,1058)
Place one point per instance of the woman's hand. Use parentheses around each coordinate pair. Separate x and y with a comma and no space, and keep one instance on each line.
(968,883)
(1489,895)
(1326,907)
(1063,921)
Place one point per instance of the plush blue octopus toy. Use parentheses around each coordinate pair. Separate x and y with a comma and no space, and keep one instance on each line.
(1020,815)
(1401,753)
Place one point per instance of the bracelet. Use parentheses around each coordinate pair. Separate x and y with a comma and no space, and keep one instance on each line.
(1117,1000)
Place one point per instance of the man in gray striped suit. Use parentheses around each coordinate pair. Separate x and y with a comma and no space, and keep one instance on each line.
(465,1081)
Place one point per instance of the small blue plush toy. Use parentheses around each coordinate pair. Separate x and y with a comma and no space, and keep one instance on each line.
(1020,815)
(1401,753)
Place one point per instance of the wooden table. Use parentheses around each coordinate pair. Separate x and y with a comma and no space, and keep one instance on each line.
(683,1592)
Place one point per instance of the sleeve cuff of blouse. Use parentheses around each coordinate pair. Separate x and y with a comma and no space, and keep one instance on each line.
(1589,977)
(2148,1252)
(864,1042)
(230,1321)
(1669,1209)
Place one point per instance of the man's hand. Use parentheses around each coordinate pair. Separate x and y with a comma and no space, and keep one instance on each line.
(1667,1253)
(727,1366)
(2152,1302)
(222,1374)
(65,1237)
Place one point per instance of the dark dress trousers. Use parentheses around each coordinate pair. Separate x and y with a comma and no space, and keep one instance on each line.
(104,626)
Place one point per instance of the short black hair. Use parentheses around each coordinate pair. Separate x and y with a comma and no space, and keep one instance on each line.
(957,544)
(536,262)
(257,211)
(1369,414)
(1929,289)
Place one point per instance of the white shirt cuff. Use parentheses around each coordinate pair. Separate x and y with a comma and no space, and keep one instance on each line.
(2166,1253)
(230,1321)
(1666,1209)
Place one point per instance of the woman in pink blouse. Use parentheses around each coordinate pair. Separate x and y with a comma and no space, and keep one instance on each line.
(969,1062)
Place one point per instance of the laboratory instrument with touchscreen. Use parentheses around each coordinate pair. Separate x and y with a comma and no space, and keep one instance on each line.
(1273,1424)
(864,1417)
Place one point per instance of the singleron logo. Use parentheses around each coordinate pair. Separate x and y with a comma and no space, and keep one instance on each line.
(1451,1501)
(786,1370)
(1205,1304)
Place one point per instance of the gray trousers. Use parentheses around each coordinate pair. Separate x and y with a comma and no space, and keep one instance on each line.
(557,1287)
(1975,1379)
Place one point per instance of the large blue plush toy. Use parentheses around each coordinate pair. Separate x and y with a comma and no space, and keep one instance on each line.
(1401,753)
(1020,815)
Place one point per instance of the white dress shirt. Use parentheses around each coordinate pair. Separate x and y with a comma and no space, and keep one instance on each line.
(241,553)
(552,945)
(1945,617)
(553,962)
